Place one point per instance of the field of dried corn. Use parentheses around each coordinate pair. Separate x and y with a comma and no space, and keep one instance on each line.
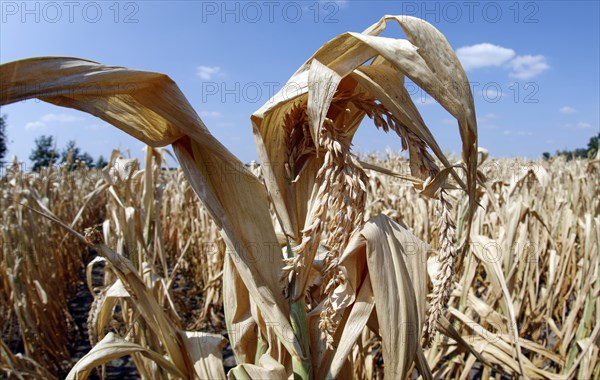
(524,300)
(316,264)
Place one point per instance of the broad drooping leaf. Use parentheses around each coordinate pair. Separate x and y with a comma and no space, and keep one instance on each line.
(150,107)
(345,77)
(304,136)
(393,284)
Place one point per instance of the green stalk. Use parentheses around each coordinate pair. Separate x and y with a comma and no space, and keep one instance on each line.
(302,367)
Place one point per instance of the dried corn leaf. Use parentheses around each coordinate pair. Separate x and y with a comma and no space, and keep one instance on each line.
(394,285)
(481,248)
(267,368)
(206,353)
(241,326)
(113,347)
(151,107)
(427,59)
(396,260)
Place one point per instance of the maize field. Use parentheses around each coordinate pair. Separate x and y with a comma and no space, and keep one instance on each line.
(314,262)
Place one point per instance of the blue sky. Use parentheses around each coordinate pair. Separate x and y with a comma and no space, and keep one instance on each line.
(533,66)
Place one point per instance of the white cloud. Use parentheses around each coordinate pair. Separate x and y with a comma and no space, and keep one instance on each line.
(424,100)
(95,127)
(487,117)
(489,55)
(580,125)
(483,55)
(528,66)
(483,121)
(340,3)
(35,126)
(207,72)
(210,114)
(517,133)
(491,94)
(567,109)
(524,133)
(42,122)
(60,118)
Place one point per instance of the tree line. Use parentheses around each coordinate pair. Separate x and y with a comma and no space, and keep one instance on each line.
(590,152)
(45,153)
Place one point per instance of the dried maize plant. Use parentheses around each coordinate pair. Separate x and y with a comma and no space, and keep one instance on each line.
(533,271)
(135,228)
(353,76)
(367,285)
(196,251)
(150,107)
(40,265)
(338,202)
(528,297)
(337,89)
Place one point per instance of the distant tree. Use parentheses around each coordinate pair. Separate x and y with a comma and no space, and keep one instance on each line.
(72,154)
(44,154)
(101,162)
(3,138)
(87,160)
(546,156)
(593,146)
(589,152)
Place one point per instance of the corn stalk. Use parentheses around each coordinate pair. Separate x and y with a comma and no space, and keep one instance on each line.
(370,273)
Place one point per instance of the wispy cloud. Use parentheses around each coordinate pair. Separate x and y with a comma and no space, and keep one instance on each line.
(488,116)
(483,55)
(60,118)
(424,100)
(580,125)
(339,3)
(528,66)
(207,72)
(35,126)
(489,55)
(52,118)
(224,125)
(95,127)
(213,114)
(524,133)
(485,120)
(491,94)
(567,110)
(507,132)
